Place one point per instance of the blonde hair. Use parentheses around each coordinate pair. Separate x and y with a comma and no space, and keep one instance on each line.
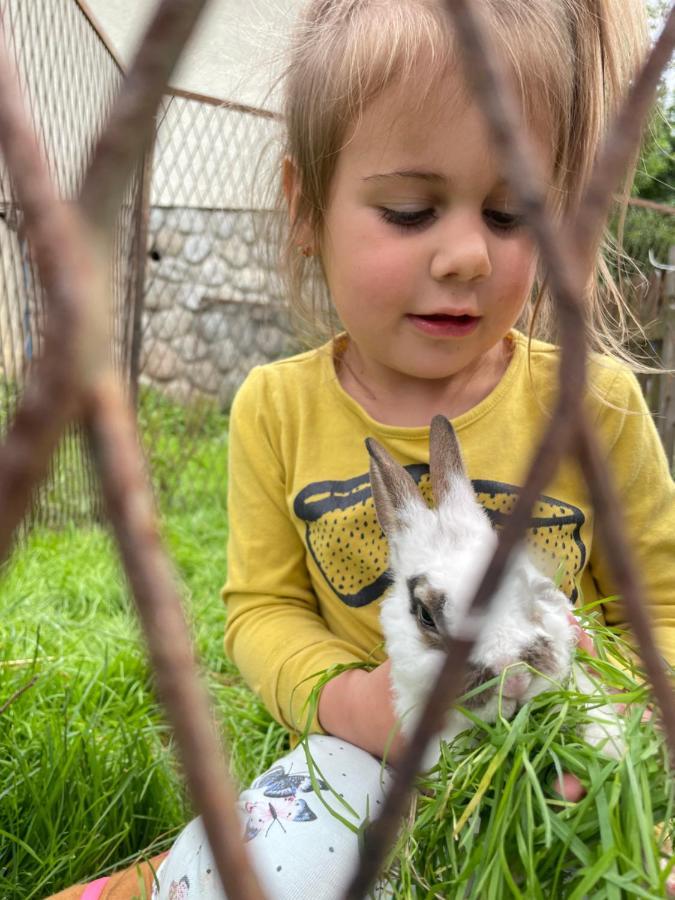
(571,61)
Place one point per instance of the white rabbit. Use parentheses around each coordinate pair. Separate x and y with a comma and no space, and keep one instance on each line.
(437,557)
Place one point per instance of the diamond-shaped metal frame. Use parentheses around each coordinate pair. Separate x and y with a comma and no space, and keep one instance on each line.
(73,379)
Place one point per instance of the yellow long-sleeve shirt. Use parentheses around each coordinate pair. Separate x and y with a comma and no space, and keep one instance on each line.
(307,559)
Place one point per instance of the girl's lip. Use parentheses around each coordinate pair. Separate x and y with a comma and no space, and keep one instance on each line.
(443,325)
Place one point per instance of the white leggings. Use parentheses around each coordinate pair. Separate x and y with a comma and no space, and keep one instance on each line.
(298,842)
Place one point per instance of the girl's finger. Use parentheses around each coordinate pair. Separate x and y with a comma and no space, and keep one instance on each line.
(569,787)
(586,643)
(584,640)
(623,708)
(670,881)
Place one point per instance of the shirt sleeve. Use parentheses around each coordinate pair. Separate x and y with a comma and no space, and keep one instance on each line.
(275,634)
(640,469)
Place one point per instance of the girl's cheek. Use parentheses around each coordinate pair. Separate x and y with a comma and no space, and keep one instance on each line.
(517,272)
(379,268)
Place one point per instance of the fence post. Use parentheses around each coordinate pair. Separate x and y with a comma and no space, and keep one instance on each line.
(138,287)
(667,411)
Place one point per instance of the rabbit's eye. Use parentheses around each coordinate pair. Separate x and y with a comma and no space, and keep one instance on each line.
(424,617)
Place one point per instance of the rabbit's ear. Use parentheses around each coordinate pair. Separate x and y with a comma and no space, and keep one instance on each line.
(446,467)
(394,490)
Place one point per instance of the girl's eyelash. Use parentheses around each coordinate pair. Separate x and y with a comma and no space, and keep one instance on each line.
(502,221)
(407,219)
(410,220)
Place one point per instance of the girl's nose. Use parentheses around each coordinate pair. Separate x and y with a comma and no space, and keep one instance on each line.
(462,253)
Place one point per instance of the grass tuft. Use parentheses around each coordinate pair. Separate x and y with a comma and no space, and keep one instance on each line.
(88,774)
(487,822)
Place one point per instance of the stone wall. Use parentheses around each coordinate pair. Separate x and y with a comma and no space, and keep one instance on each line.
(213,303)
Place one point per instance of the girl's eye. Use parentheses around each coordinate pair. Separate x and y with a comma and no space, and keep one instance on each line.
(502,221)
(407,219)
(425,618)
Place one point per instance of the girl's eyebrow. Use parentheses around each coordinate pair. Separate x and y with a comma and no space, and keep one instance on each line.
(422,174)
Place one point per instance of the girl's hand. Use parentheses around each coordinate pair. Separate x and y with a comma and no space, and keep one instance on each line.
(584,639)
(357,706)
(568,786)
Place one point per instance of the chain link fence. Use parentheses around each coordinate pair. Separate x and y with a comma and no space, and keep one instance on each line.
(196,300)
(212,299)
(69,80)
(213,304)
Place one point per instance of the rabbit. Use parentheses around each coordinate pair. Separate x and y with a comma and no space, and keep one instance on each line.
(437,557)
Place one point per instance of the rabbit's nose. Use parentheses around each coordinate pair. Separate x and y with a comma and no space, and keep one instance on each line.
(516,683)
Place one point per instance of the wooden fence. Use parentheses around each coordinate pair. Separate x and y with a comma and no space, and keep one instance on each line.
(657,313)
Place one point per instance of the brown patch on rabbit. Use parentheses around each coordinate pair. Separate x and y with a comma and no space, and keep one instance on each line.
(475,676)
(426,606)
(540,655)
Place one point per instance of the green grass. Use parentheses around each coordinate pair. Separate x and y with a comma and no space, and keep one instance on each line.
(88,778)
(487,823)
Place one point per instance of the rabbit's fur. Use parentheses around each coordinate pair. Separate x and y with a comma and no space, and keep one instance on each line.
(437,557)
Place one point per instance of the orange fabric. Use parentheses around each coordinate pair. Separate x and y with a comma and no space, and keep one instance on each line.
(134,883)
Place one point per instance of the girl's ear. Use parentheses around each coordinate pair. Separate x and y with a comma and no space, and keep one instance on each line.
(291,185)
(290,181)
(395,494)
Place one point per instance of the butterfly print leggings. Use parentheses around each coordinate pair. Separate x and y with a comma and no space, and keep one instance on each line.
(300,821)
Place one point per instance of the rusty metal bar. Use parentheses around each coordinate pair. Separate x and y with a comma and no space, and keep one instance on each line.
(132,122)
(624,571)
(129,504)
(621,146)
(69,245)
(128,496)
(651,204)
(137,287)
(100,33)
(567,271)
(256,111)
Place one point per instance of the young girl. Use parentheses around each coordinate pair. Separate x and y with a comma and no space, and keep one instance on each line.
(401,223)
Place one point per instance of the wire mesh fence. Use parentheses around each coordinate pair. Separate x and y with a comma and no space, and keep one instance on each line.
(196,301)
(210,283)
(213,305)
(69,81)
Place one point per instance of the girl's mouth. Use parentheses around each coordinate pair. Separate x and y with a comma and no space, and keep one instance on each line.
(443,325)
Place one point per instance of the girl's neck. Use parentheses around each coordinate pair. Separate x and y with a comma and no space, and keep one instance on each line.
(392,398)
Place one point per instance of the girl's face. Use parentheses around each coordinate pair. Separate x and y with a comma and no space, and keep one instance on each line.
(423,249)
